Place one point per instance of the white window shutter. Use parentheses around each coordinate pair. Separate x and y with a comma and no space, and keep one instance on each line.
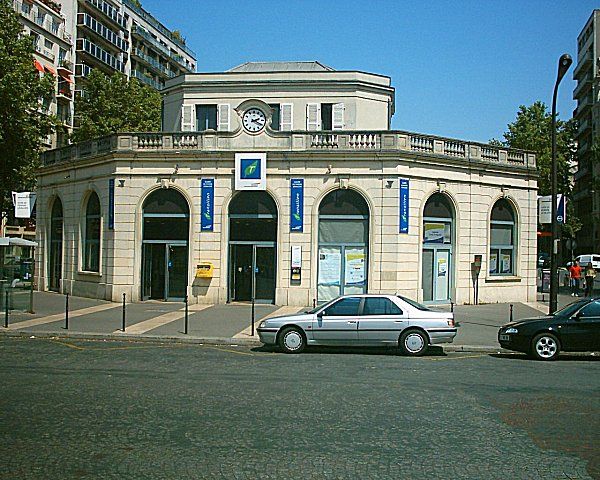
(313,116)
(337,122)
(286,114)
(223,117)
(187,118)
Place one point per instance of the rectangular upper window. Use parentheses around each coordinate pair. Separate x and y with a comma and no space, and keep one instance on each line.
(206,117)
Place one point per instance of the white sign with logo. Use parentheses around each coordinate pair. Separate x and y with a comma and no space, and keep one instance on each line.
(250,171)
(545,209)
(24,203)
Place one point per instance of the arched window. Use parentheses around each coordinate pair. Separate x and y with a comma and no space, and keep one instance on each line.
(56,246)
(502,239)
(91,239)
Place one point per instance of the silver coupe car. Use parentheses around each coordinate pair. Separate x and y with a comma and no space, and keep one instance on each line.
(361,320)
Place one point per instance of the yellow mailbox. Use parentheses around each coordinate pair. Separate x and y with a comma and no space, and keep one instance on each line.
(204,270)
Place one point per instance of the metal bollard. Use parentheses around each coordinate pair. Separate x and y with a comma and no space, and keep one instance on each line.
(452,307)
(252,329)
(66,327)
(6,309)
(314,303)
(123,320)
(185,324)
(511,312)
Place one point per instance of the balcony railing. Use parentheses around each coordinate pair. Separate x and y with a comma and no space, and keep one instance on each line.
(136,52)
(83,19)
(109,11)
(396,143)
(144,34)
(147,80)
(83,44)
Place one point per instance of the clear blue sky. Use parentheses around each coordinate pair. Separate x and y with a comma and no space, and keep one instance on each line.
(460,68)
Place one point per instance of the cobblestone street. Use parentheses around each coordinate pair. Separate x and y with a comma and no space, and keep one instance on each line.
(83,409)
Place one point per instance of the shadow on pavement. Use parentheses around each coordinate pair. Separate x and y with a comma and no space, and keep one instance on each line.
(563,357)
(433,351)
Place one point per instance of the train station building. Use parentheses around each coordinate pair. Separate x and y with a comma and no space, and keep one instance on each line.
(284,182)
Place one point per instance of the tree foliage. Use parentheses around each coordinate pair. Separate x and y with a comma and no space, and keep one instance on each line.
(532,130)
(115,104)
(23,121)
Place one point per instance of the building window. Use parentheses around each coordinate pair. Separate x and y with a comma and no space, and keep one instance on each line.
(502,239)
(325,116)
(275,123)
(91,241)
(206,117)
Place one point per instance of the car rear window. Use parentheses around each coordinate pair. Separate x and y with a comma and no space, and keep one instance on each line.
(417,305)
(380,306)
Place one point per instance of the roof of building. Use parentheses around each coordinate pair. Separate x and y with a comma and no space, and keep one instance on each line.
(261,67)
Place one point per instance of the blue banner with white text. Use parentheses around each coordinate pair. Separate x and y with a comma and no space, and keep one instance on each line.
(111,203)
(296,205)
(207,208)
(404,205)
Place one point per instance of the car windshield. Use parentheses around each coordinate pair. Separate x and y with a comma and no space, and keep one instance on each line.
(571,308)
(417,305)
(321,307)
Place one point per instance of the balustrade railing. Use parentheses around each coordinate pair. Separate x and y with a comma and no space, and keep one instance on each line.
(421,144)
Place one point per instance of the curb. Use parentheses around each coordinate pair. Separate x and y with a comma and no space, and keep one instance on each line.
(204,340)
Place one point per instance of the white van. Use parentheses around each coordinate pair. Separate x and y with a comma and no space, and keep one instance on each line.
(584,260)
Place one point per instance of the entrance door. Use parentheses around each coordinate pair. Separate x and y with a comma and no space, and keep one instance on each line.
(436,275)
(56,246)
(253,263)
(164,271)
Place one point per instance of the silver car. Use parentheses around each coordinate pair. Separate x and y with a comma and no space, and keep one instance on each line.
(365,320)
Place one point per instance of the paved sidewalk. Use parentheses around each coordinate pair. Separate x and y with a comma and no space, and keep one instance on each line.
(223,324)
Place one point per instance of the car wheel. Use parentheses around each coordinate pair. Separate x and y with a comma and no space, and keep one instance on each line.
(291,340)
(413,343)
(545,346)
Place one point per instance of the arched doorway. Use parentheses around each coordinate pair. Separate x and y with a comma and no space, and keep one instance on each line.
(438,246)
(252,247)
(343,242)
(502,239)
(165,234)
(56,246)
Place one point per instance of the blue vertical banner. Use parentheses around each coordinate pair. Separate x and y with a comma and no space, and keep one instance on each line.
(404,184)
(207,208)
(296,205)
(111,203)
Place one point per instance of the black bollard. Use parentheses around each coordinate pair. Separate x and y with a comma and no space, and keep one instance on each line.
(185,324)
(252,330)
(511,312)
(314,303)
(6,309)
(67,312)
(452,307)
(123,320)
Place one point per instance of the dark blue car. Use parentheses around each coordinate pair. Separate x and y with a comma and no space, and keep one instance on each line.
(574,328)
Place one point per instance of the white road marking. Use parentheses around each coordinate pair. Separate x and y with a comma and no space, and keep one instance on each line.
(287,310)
(61,316)
(152,323)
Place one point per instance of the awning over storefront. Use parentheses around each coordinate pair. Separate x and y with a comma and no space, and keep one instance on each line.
(50,70)
(65,75)
(38,66)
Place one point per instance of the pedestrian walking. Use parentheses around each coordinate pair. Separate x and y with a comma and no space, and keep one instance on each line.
(590,276)
(575,278)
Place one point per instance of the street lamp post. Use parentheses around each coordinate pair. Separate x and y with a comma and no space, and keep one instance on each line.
(564,63)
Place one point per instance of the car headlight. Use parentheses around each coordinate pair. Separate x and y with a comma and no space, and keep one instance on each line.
(262,324)
(511,330)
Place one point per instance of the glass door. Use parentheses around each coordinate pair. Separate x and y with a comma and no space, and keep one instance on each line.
(253,263)
(241,272)
(264,273)
(436,274)
(177,273)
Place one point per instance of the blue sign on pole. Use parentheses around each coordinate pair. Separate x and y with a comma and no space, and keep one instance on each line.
(297,205)
(207,208)
(111,203)
(561,209)
(404,205)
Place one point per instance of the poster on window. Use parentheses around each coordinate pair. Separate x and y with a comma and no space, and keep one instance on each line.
(434,233)
(330,266)
(442,267)
(506,262)
(493,262)
(355,266)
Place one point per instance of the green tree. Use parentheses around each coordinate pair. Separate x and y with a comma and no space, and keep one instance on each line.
(23,119)
(115,104)
(532,130)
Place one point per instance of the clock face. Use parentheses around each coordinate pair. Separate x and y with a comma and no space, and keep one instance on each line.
(254,120)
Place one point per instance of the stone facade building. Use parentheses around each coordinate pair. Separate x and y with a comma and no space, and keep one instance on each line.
(284,182)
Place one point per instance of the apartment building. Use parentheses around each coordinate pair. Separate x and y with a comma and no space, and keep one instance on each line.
(51,34)
(587,114)
(120,36)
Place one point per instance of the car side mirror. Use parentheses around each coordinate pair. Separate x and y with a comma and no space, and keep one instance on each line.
(321,313)
(577,316)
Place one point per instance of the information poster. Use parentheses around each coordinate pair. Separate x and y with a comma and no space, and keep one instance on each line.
(330,266)
(442,267)
(434,233)
(355,266)
(506,261)
(493,263)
